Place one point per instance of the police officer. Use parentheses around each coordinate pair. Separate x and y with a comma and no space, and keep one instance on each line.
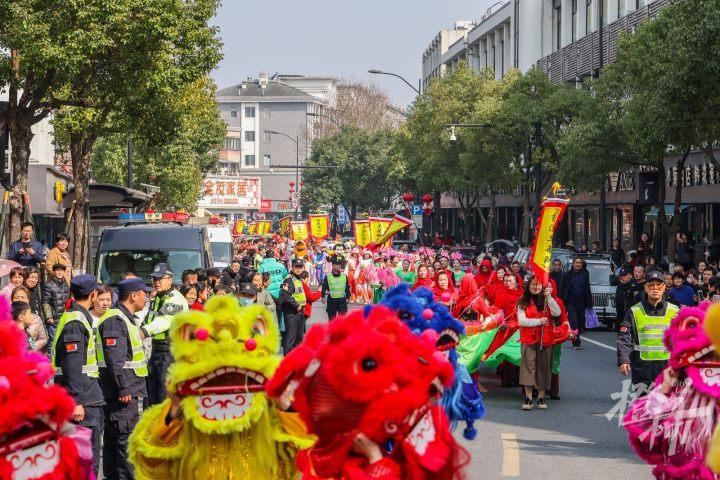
(640,341)
(336,289)
(167,303)
(75,361)
(292,302)
(123,368)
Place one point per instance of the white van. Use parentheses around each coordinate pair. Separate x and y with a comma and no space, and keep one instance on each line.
(221,244)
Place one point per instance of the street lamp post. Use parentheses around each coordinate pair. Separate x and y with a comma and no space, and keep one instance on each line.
(309,114)
(380,72)
(297,159)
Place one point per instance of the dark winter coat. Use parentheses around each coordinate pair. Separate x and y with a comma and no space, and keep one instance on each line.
(56,293)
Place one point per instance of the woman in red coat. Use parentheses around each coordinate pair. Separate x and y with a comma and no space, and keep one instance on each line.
(423,279)
(535,310)
(444,291)
(468,292)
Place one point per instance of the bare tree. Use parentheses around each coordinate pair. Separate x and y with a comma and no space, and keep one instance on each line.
(363,105)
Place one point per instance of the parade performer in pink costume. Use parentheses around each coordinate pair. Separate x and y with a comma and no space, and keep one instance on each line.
(671,427)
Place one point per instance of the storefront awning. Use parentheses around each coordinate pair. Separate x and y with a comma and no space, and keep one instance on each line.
(105,196)
(652,214)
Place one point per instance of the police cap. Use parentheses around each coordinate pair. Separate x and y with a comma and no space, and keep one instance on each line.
(131,285)
(83,285)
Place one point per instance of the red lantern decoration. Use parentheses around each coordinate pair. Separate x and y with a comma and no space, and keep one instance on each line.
(408,197)
(427,198)
(428,211)
(292,184)
(292,190)
(302,184)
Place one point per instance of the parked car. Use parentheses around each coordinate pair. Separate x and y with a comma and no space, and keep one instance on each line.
(467,255)
(501,246)
(221,244)
(565,257)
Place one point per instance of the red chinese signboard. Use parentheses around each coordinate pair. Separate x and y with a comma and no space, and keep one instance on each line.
(231,192)
(265,205)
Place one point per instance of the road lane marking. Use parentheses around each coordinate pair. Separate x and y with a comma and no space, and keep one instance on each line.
(511,455)
(595,342)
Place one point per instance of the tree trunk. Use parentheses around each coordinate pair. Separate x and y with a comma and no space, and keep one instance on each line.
(674,226)
(81,145)
(334,228)
(662,228)
(353,211)
(20,137)
(526,216)
(490,231)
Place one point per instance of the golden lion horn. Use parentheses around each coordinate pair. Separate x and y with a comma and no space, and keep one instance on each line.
(555,187)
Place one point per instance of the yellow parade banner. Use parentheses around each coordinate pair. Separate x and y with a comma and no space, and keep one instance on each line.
(239,227)
(541,253)
(378,226)
(299,231)
(264,227)
(284,225)
(397,223)
(319,226)
(361,230)
(252,228)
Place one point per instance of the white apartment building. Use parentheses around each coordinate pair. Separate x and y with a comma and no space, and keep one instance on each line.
(522,33)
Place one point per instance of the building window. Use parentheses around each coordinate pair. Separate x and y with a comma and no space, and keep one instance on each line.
(250,161)
(233,113)
(621,8)
(557,21)
(502,58)
(574,20)
(232,143)
(266,137)
(249,112)
(588,17)
(249,135)
(266,112)
(605,12)
(266,161)
(640,3)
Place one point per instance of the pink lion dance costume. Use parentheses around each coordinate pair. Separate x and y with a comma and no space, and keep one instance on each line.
(672,431)
(37,441)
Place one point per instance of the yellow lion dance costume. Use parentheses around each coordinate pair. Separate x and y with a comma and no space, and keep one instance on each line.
(227,428)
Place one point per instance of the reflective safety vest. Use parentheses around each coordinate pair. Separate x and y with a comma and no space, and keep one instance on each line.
(91,364)
(170,304)
(337,285)
(138,364)
(299,294)
(650,331)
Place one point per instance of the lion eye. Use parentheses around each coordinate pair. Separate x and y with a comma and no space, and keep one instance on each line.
(369,364)
(403,315)
(691,322)
(260,327)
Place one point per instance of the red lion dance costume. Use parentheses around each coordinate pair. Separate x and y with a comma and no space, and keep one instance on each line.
(366,376)
(37,442)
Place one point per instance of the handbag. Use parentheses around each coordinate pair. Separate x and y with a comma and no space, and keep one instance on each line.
(591,319)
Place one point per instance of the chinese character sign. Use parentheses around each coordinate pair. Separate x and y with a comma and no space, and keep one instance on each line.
(231,192)
(299,231)
(378,227)
(264,227)
(285,226)
(397,223)
(541,253)
(239,227)
(361,229)
(319,226)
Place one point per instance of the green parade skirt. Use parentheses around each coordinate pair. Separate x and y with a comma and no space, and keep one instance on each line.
(471,349)
(557,349)
(378,293)
(509,352)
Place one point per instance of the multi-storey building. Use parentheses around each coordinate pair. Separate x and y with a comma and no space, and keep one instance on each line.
(572,40)
(252,110)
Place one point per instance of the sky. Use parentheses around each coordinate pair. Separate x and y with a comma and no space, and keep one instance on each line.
(338,38)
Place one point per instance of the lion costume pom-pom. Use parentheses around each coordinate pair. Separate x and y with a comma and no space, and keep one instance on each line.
(37,440)
(365,378)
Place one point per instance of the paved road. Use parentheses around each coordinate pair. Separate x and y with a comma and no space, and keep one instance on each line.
(572,439)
